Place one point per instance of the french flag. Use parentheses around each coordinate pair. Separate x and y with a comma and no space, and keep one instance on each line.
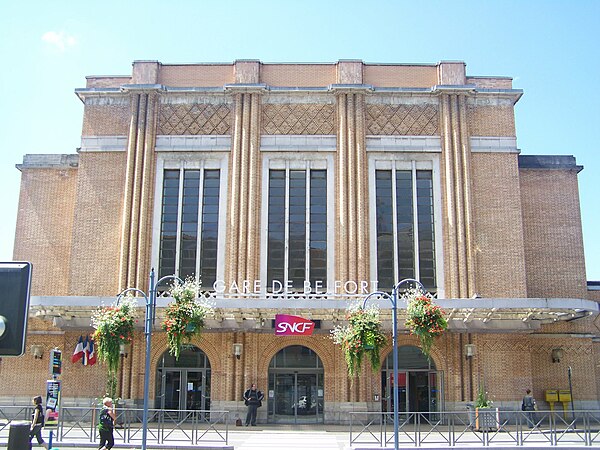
(89,356)
(78,353)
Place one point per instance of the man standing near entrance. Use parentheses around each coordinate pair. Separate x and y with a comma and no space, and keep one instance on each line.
(252,399)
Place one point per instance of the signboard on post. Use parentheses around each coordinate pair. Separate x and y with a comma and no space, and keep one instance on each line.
(55,362)
(52,403)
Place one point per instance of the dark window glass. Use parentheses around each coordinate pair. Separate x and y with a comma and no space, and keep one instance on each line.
(289,189)
(170,204)
(402,252)
(426,230)
(318,227)
(210,223)
(276,235)
(197,203)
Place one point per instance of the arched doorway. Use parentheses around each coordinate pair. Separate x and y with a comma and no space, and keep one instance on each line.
(420,385)
(296,386)
(183,384)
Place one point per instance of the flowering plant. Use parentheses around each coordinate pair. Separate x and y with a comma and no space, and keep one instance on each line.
(185,315)
(363,335)
(114,327)
(425,319)
(482,400)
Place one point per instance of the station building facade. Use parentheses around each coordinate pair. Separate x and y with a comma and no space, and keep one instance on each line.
(299,189)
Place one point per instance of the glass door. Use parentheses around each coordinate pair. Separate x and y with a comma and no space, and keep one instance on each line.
(285,397)
(297,398)
(172,389)
(418,391)
(194,397)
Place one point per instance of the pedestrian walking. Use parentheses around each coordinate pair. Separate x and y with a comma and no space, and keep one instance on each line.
(37,422)
(106,424)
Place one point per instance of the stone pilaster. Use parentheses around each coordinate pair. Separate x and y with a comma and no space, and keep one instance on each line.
(456,168)
(243,219)
(137,204)
(351,189)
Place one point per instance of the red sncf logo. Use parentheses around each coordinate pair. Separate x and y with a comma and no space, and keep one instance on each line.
(286,325)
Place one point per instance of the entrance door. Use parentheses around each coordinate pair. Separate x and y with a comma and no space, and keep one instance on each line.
(183,384)
(296,390)
(419,384)
(182,389)
(296,398)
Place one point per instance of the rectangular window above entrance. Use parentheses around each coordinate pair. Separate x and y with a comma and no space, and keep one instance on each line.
(190,224)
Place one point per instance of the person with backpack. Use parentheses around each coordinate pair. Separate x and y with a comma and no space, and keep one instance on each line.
(106,424)
(529,406)
(37,422)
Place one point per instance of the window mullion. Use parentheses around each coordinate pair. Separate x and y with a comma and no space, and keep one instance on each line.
(199,227)
(286,254)
(415,221)
(179,220)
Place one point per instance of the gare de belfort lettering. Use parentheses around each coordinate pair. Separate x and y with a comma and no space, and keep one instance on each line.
(253,287)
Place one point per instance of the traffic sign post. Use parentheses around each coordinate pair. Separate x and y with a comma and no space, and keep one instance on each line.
(53,394)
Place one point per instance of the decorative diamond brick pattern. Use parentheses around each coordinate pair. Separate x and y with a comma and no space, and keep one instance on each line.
(298,119)
(197,119)
(404,120)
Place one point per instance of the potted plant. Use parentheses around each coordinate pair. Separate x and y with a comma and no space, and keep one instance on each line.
(363,336)
(425,320)
(114,327)
(185,315)
(485,413)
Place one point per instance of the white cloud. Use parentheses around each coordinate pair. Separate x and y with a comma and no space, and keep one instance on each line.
(59,40)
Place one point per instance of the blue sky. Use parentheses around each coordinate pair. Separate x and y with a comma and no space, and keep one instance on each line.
(550,48)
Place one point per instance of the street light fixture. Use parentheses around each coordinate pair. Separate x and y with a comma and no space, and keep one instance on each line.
(393,298)
(149,321)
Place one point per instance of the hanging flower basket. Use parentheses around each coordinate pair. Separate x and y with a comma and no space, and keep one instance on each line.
(185,315)
(363,336)
(114,327)
(425,320)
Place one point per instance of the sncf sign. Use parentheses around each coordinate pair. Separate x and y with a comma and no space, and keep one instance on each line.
(286,325)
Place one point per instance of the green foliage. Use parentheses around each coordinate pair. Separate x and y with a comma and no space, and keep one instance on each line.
(425,320)
(185,315)
(114,326)
(482,400)
(362,336)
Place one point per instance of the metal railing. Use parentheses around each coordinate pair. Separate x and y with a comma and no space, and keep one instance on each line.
(79,424)
(481,428)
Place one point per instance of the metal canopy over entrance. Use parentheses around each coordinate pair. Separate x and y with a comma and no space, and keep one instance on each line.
(254,312)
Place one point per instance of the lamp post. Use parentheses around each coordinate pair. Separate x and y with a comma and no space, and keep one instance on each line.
(150,311)
(393,298)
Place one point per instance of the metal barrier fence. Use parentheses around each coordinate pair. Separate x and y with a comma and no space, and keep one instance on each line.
(79,424)
(486,428)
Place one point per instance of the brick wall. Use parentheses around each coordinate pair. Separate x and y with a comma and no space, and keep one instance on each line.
(400,75)
(298,75)
(499,250)
(106,119)
(44,225)
(552,234)
(493,120)
(97,224)
(196,75)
